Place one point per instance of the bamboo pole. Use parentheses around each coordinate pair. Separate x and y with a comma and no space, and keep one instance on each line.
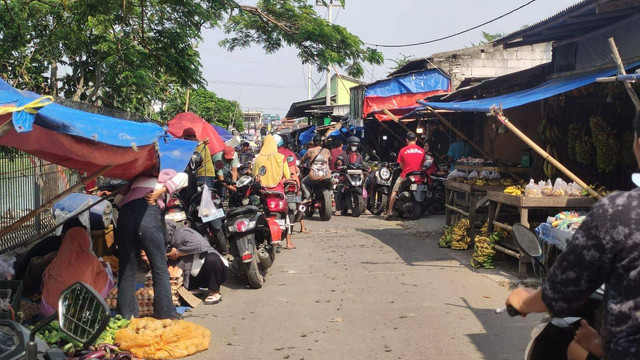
(394,118)
(186,105)
(497,112)
(465,138)
(49,203)
(622,71)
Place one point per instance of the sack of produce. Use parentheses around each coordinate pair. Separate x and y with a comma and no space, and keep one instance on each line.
(532,189)
(547,188)
(474,175)
(560,188)
(574,190)
(149,338)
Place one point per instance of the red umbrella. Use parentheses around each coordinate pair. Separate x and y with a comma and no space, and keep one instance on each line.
(203,130)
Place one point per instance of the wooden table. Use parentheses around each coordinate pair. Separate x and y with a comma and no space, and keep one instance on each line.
(497,200)
(474,198)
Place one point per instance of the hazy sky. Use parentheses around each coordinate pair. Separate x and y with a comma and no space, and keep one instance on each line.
(270,83)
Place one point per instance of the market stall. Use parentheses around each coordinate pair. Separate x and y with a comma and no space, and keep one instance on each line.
(503,206)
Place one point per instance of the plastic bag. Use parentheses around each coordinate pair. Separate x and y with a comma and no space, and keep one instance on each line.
(532,189)
(574,189)
(7,271)
(547,188)
(494,175)
(560,188)
(207,210)
(473,175)
(486,174)
(455,175)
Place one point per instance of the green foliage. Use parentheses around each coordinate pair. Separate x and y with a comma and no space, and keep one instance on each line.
(487,38)
(400,62)
(132,54)
(207,105)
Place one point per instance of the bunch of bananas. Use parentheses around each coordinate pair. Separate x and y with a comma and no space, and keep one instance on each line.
(549,133)
(584,150)
(607,144)
(507,182)
(483,252)
(515,190)
(445,240)
(549,169)
(574,132)
(477,182)
(460,239)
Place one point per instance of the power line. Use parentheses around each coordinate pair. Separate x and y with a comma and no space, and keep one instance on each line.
(281,86)
(452,35)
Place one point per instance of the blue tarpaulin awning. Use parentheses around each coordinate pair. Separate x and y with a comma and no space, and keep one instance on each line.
(547,89)
(224,134)
(307,135)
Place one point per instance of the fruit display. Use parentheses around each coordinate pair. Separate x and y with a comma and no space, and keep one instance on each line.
(550,133)
(445,239)
(149,338)
(483,250)
(460,239)
(584,150)
(514,190)
(574,132)
(112,298)
(607,145)
(567,220)
(473,161)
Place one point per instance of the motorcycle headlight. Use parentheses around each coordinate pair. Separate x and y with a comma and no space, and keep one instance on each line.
(356,180)
(385,174)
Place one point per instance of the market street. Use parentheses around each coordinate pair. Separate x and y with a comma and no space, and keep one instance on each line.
(365,289)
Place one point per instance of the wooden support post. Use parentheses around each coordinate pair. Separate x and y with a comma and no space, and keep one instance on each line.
(497,112)
(391,131)
(622,71)
(394,118)
(49,203)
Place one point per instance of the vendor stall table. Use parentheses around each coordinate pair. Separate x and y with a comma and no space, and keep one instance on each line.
(523,205)
(501,169)
(473,197)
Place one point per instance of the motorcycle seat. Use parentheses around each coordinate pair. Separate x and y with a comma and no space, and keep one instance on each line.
(242,210)
(416,173)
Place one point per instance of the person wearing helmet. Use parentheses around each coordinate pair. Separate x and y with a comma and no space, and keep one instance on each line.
(351,156)
(319,159)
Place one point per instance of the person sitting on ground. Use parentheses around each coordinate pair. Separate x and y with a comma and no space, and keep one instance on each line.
(604,249)
(74,262)
(202,266)
(410,158)
(271,169)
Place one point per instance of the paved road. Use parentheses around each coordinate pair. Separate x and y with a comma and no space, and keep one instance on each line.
(364,289)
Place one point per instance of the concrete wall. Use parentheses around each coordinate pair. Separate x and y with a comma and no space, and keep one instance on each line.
(343,95)
(488,61)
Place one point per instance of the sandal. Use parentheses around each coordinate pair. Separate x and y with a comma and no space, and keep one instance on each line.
(290,248)
(213,299)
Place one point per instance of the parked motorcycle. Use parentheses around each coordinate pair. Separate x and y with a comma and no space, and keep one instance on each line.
(294,201)
(412,194)
(83,326)
(349,189)
(379,187)
(252,234)
(183,208)
(436,199)
(551,338)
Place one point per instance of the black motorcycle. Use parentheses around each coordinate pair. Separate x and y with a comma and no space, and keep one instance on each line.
(349,190)
(252,235)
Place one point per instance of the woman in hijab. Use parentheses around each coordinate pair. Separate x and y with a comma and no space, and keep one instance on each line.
(271,169)
(73,263)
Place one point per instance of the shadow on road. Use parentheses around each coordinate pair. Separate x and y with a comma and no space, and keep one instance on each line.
(411,249)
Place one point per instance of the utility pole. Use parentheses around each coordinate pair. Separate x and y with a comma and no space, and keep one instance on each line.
(309,82)
(329,5)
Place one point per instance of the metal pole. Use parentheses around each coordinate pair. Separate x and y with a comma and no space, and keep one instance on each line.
(622,71)
(309,82)
(328,99)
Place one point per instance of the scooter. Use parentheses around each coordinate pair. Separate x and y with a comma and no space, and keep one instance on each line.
(436,197)
(379,188)
(349,190)
(252,235)
(321,198)
(551,338)
(412,194)
(82,314)
(294,201)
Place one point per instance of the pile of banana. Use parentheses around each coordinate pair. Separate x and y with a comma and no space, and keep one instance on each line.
(460,239)
(483,252)
(445,240)
(476,182)
(607,144)
(549,133)
(516,190)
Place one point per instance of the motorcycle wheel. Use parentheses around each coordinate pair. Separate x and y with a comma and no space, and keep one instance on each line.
(253,275)
(380,201)
(310,210)
(438,200)
(356,205)
(417,210)
(325,206)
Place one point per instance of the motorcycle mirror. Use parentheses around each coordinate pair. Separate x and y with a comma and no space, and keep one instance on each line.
(373,152)
(367,158)
(526,240)
(82,312)
(393,155)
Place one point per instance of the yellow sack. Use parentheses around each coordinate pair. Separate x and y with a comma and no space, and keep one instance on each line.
(149,338)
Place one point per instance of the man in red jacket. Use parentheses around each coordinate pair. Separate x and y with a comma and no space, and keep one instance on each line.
(410,158)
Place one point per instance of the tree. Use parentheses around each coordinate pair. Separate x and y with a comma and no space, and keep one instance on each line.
(130,54)
(207,105)
(488,38)
(400,62)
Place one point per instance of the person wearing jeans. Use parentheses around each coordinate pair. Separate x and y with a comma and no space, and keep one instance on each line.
(140,225)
